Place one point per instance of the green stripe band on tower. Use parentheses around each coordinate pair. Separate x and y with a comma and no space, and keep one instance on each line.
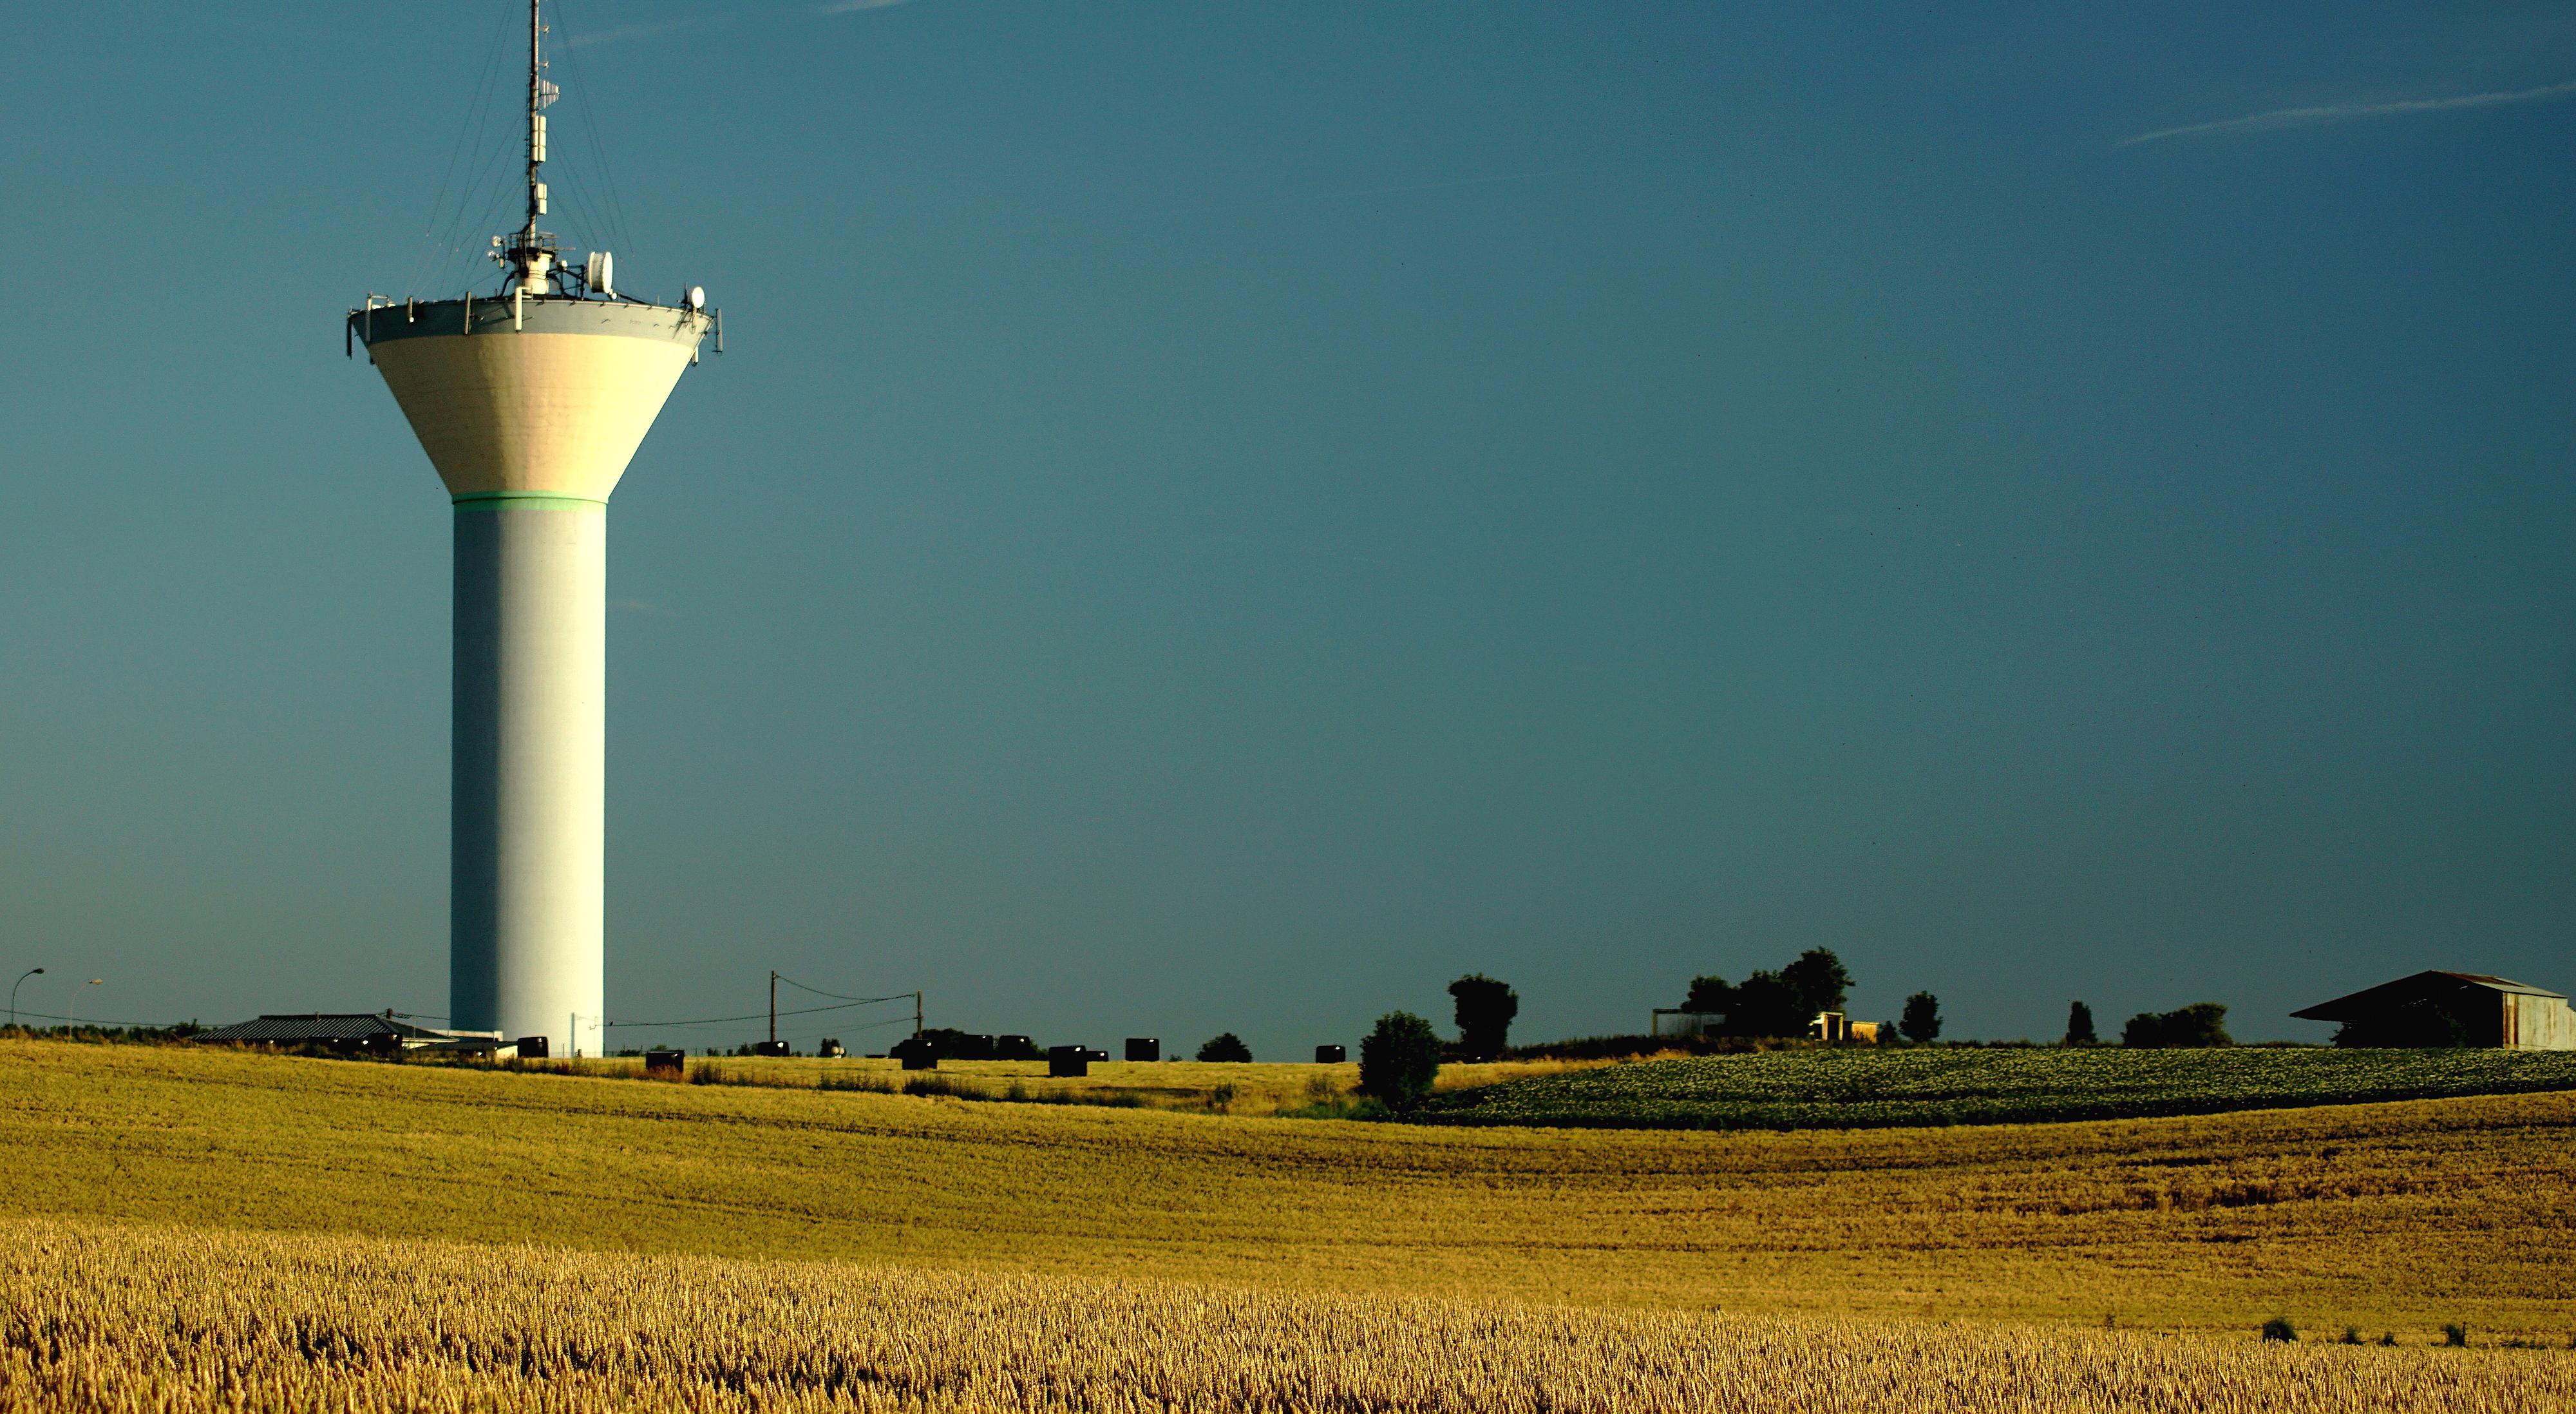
(525,501)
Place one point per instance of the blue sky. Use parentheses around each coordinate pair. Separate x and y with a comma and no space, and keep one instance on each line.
(1228,516)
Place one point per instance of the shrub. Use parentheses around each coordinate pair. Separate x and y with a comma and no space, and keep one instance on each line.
(1922,1019)
(1399,1060)
(1225,1046)
(2456,1335)
(2079,1025)
(2200,1024)
(2279,1328)
(2352,1335)
(1485,1011)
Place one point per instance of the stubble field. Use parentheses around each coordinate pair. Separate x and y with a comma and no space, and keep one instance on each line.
(1225,1257)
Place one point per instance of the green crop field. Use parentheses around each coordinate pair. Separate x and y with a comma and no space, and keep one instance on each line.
(1869,1089)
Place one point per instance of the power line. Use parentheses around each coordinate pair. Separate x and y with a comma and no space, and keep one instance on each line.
(792,982)
(612,220)
(845,1028)
(755,1016)
(471,120)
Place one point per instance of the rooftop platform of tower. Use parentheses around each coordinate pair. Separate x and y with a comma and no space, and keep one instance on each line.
(377,324)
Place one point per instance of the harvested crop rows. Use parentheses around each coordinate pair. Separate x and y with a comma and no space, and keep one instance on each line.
(116,1320)
(1859,1088)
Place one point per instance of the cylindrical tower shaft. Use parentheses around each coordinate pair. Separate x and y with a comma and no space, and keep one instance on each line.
(530,741)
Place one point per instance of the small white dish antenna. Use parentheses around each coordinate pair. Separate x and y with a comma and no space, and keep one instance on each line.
(600,273)
(697,296)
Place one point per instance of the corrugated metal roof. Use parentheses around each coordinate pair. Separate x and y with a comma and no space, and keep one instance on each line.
(2505,984)
(319,1026)
(2415,986)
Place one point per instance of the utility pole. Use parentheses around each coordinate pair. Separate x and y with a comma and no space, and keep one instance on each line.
(773,1005)
(916,1013)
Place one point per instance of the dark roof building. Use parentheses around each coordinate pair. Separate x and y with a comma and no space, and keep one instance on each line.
(2451,1009)
(348,1029)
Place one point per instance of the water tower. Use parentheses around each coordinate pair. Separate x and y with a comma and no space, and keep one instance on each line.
(530,401)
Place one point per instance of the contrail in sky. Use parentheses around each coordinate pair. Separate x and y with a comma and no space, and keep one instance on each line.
(643,31)
(2346,112)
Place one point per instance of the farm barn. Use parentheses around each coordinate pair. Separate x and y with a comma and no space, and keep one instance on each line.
(348,1031)
(2451,1009)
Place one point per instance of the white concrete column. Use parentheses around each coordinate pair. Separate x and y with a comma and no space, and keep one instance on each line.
(524,904)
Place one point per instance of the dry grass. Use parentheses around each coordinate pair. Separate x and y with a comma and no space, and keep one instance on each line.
(100,1319)
(2404,1216)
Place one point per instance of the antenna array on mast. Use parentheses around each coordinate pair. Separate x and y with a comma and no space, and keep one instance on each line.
(530,256)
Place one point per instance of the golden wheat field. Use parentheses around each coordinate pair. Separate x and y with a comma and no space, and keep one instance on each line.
(150,1319)
(289,1230)
(2404,1216)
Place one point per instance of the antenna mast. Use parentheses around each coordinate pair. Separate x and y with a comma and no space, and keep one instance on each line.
(532,255)
(536,117)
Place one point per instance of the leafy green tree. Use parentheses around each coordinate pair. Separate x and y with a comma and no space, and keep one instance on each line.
(1820,980)
(1710,996)
(1399,1060)
(2079,1025)
(2199,1024)
(1225,1046)
(1766,1005)
(1485,1010)
(1921,1021)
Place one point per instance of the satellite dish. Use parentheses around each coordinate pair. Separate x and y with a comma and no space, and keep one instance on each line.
(697,297)
(600,274)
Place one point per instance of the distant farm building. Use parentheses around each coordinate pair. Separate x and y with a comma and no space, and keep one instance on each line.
(1674,1022)
(1835,1026)
(2451,1009)
(348,1031)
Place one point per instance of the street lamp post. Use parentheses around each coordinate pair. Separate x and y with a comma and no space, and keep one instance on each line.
(13,993)
(71,1023)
